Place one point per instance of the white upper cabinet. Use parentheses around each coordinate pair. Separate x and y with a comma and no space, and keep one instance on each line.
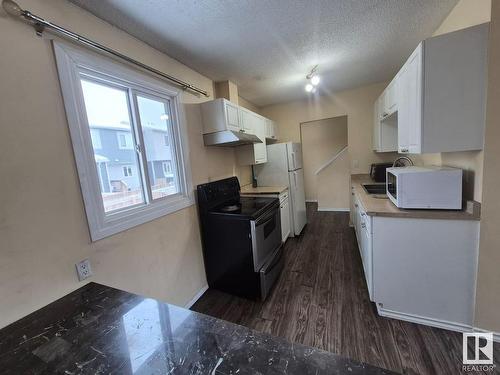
(248,121)
(387,102)
(438,97)
(271,130)
(219,115)
(260,150)
(385,128)
(390,102)
(233,116)
(409,96)
(376,126)
(257,152)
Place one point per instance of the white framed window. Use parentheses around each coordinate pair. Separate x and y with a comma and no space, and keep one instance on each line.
(167,167)
(127,171)
(126,103)
(125,141)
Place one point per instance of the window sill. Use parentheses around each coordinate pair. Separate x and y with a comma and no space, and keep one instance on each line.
(125,220)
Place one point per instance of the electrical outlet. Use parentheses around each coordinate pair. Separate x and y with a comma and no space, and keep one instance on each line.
(83,269)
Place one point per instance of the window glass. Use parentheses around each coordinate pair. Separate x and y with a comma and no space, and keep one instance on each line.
(108,114)
(96,139)
(155,119)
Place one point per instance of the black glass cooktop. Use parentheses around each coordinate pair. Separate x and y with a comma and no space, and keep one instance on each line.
(245,206)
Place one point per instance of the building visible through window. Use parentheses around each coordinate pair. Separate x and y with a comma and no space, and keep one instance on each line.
(127,171)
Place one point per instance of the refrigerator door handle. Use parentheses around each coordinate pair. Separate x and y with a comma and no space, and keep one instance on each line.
(293,160)
(295,178)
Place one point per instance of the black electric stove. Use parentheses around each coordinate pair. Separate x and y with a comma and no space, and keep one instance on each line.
(241,239)
(247,207)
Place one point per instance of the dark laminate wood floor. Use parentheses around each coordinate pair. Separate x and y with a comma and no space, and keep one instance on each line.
(321,300)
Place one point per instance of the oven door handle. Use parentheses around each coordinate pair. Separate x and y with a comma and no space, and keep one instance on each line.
(266,217)
(266,220)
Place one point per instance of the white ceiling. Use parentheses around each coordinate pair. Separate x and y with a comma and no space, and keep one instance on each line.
(268,46)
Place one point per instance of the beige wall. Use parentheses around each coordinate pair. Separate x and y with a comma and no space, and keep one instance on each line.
(334,185)
(465,14)
(488,283)
(357,104)
(43,228)
(321,141)
(248,105)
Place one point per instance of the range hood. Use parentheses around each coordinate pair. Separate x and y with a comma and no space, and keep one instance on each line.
(229,138)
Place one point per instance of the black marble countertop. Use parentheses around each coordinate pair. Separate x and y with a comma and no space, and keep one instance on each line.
(102,330)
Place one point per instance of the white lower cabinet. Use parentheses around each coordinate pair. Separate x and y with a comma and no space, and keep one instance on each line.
(362,224)
(419,270)
(285,215)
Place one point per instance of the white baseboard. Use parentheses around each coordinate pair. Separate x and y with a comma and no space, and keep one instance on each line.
(496,335)
(443,324)
(334,209)
(196,297)
(311,201)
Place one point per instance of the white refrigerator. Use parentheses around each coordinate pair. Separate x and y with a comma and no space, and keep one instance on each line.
(284,168)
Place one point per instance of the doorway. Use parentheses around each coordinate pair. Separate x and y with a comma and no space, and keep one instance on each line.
(326,163)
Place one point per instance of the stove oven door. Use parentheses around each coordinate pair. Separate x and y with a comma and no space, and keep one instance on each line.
(266,236)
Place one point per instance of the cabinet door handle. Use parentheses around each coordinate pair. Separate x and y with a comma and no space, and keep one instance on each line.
(242,130)
(355,205)
(363,225)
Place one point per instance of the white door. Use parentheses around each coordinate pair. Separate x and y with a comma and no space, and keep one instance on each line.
(298,200)
(294,151)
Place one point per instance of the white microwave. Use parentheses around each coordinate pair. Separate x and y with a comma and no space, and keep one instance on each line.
(425,187)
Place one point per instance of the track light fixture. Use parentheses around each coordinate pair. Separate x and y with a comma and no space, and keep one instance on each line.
(314,79)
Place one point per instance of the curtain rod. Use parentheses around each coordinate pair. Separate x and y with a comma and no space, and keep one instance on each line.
(40,24)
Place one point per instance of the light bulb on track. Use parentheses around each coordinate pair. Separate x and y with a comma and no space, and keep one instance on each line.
(315,80)
(309,87)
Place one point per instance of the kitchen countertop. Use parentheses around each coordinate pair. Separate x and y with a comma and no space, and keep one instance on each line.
(384,207)
(248,189)
(100,330)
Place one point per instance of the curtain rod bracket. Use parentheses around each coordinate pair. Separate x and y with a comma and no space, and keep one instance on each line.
(39,28)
